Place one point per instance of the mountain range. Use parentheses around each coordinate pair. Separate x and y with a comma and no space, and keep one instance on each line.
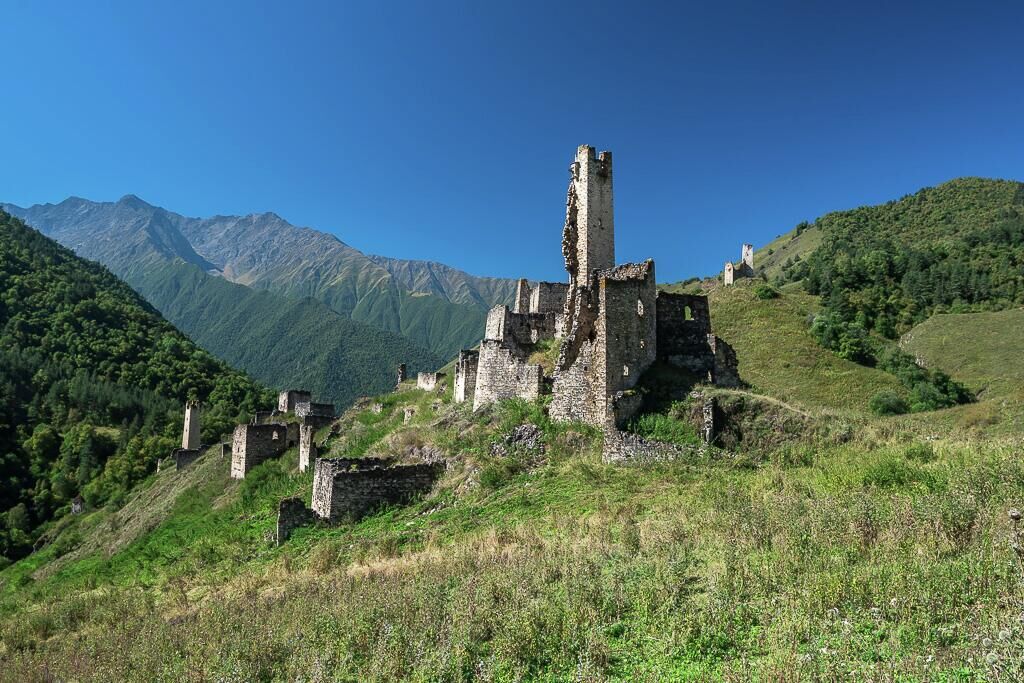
(291,305)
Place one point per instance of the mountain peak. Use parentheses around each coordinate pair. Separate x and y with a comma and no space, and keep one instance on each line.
(134,202)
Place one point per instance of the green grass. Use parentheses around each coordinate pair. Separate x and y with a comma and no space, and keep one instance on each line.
(982,350)
(778,356)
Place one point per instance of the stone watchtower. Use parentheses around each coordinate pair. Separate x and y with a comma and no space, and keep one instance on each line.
(588,241)
(190,438)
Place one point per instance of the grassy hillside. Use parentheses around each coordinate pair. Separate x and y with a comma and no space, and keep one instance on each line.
(779,357)
(983,350)
(283,342)
(92,380)
(877,558)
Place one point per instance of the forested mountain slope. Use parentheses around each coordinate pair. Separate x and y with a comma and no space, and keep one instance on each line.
(92,380)
(283,342)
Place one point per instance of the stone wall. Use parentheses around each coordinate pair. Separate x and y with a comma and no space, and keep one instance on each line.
(190,437)
(610,341)
(548,297)
(286,400)
(623,448)
(315,414)
(465,375)
(684,333)
(522,329)
(183,457)
(292,513)
(252,444)
(428,381)
(350,489)
(726,373)
(307,447)
(401,374)
(521,304)
(503,374)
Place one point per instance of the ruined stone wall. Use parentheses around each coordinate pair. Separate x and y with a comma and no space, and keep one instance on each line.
(627,325)
(623,448)
(520,329)
(726,365)
(684,333)
(548,297)
(307,447)
(183,457)
(611,340)
(465,375)
(502,374)
(292,513)
(728,276)
(252,444)
(315,414)
(748,256)
(341,493)
(521,304)
(401,374)
(428,381)
(287,400)
(190,436)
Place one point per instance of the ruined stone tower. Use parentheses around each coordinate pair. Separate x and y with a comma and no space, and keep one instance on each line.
(190,438)
(748,256)
(522,302)
(588,240)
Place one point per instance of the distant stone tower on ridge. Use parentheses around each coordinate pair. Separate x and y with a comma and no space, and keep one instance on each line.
(190,438)
(745,267)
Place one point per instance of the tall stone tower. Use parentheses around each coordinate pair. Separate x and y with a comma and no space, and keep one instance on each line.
(588,240)
(190,439)
(748,256)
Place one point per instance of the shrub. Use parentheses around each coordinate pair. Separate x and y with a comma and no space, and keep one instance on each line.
(765,291)
(888,402)
(658,427)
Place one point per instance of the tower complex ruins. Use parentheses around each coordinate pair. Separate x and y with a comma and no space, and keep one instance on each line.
(611,321)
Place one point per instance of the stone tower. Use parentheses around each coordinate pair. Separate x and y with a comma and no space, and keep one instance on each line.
(748,256)
(728,275)
(588,240)
(190,439)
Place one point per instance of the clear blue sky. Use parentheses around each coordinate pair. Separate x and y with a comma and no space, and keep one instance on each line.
(443,130)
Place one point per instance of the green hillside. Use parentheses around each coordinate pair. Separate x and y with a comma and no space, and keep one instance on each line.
(982,350)
(956,247)
(283,342)
(779,357)
(822,560)
(92,380)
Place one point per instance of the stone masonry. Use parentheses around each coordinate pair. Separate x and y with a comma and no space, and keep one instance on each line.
(292,513)
(253,444)
(465,375)
(190,437)
(307,447)
(349,489)
(315,414)
(741,269)
(428,381)
(287,400)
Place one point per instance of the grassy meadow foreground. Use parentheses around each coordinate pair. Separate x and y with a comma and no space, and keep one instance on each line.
(856,547)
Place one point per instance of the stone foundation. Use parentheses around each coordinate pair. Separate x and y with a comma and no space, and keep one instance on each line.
(624,448)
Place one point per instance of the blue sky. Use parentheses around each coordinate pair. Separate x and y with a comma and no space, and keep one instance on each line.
(443,130)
